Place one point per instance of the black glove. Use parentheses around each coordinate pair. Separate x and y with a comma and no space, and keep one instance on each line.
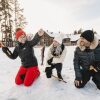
(5,49)
(50,61)
(78,82)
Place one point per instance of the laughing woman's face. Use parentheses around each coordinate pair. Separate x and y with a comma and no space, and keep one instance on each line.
(55,43)
(22,39)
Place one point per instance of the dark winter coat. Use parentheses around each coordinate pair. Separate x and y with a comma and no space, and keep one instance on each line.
(84,58)
(25,52)
(97,57)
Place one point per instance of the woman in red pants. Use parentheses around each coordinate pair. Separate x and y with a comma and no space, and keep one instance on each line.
(28,71)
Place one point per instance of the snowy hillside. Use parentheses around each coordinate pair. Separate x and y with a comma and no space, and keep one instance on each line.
(43,88)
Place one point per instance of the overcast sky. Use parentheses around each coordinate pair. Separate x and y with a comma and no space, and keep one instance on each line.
(61,15)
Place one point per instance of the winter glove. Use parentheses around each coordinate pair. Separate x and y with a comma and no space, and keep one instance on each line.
(4,49)
(92,68)
(78,82)
(50,61)
(48,71)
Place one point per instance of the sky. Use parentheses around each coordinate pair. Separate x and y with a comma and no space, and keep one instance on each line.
(61,15)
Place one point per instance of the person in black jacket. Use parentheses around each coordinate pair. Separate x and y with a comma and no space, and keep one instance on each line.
(28,71)
(85,58)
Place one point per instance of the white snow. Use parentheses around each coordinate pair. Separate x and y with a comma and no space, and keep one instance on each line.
(43,88)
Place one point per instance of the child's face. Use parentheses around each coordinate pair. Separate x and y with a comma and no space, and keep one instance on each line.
(22,39)
(84,42)
(55,43)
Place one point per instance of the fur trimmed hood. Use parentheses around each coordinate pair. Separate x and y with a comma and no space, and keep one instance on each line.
(93,45)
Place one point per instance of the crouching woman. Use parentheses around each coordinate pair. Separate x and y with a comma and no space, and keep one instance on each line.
(55,57)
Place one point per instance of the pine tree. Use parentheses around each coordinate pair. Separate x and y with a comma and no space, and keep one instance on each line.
(11,17)
(6,21)
(20,20)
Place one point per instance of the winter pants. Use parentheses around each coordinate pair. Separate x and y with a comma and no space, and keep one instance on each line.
(27,76)
(86,75)
(58,67)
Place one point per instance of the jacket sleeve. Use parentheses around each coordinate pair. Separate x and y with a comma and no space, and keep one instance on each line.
(35,40)
(61,58)
(77,66)
(11,55)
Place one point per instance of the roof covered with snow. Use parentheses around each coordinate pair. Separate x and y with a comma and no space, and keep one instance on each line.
(52,34)
(74,37)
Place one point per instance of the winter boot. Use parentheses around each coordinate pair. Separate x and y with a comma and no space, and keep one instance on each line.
(48,71)
(59,76)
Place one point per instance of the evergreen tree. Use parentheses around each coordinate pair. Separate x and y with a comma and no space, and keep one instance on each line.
(11,17)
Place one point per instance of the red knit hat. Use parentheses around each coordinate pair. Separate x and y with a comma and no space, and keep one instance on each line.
(19,32)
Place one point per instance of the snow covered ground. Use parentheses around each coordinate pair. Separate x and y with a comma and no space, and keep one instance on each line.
(43,88)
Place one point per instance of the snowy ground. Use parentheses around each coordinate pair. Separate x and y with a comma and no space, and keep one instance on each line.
(43,88)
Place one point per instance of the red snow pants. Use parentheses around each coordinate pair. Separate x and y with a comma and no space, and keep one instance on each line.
(27,76)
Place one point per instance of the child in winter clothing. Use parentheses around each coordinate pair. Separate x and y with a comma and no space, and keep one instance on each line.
(84,60)
(28,71)
(56,55)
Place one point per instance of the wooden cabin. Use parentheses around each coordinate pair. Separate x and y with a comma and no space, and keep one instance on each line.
(46,39)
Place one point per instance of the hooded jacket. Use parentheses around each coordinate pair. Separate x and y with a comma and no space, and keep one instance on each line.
(84,57)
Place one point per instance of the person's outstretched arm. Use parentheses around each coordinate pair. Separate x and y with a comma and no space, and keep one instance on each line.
(11,55)
(36,38)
